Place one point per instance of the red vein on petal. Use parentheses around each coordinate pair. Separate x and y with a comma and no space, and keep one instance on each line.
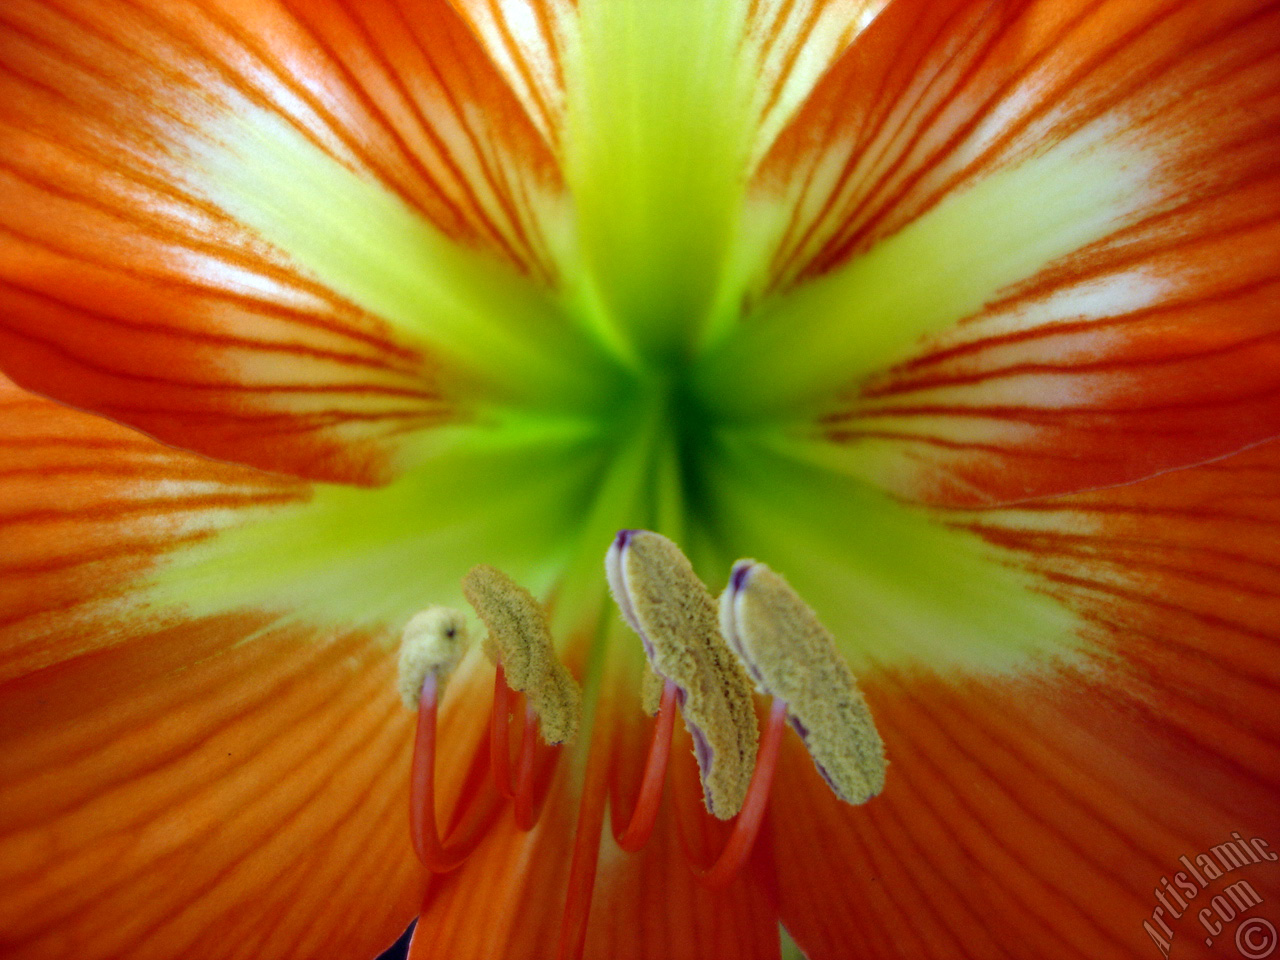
(1009,133)
(357,748)
(309,320)
(791,249)
(987,45)
(502,191)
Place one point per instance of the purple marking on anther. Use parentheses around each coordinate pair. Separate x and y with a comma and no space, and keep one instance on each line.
(701,746)
(825,776)
(702,750)
(729,616)
(616,576)
(803,732)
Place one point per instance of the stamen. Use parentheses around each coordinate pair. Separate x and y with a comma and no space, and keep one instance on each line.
(746,827)
(663,600)
(520,640)
(793,657)
(644,815)
(774,634)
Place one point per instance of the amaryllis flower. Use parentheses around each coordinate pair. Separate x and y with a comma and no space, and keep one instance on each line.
(962,316)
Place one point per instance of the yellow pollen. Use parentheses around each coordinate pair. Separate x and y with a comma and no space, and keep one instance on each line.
(676,617)
(433,642)
(520,639)
(793,657)
(651,692)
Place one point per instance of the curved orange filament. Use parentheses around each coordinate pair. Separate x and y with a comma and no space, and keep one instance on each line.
(746,826)
(526,812)
(645,813)
(499,733)
(586,850)
(436,856)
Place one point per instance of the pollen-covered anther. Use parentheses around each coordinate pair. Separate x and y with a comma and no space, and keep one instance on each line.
(520,640)
(675,615)
(433,643)
(792,656)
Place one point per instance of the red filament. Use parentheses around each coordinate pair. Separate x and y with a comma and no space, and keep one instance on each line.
(442,856)
(586,850)
(499,733)
(526,811)
(746,826)
(437,856)
(645,814)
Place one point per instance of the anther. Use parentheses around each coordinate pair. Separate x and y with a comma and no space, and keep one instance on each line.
(663,600)
(790,655)
(520,641)
(433,643)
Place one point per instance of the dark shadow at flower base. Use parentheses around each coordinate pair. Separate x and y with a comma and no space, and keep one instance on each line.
(400,949)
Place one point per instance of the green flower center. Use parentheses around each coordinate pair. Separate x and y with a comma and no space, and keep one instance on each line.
(636,390)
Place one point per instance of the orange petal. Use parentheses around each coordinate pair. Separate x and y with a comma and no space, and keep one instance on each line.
(215,787)
(89,508)
(129,285)
(525,40)
(1035,815)
(509,899)
(1152,346)
(182,795)
(793,44)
